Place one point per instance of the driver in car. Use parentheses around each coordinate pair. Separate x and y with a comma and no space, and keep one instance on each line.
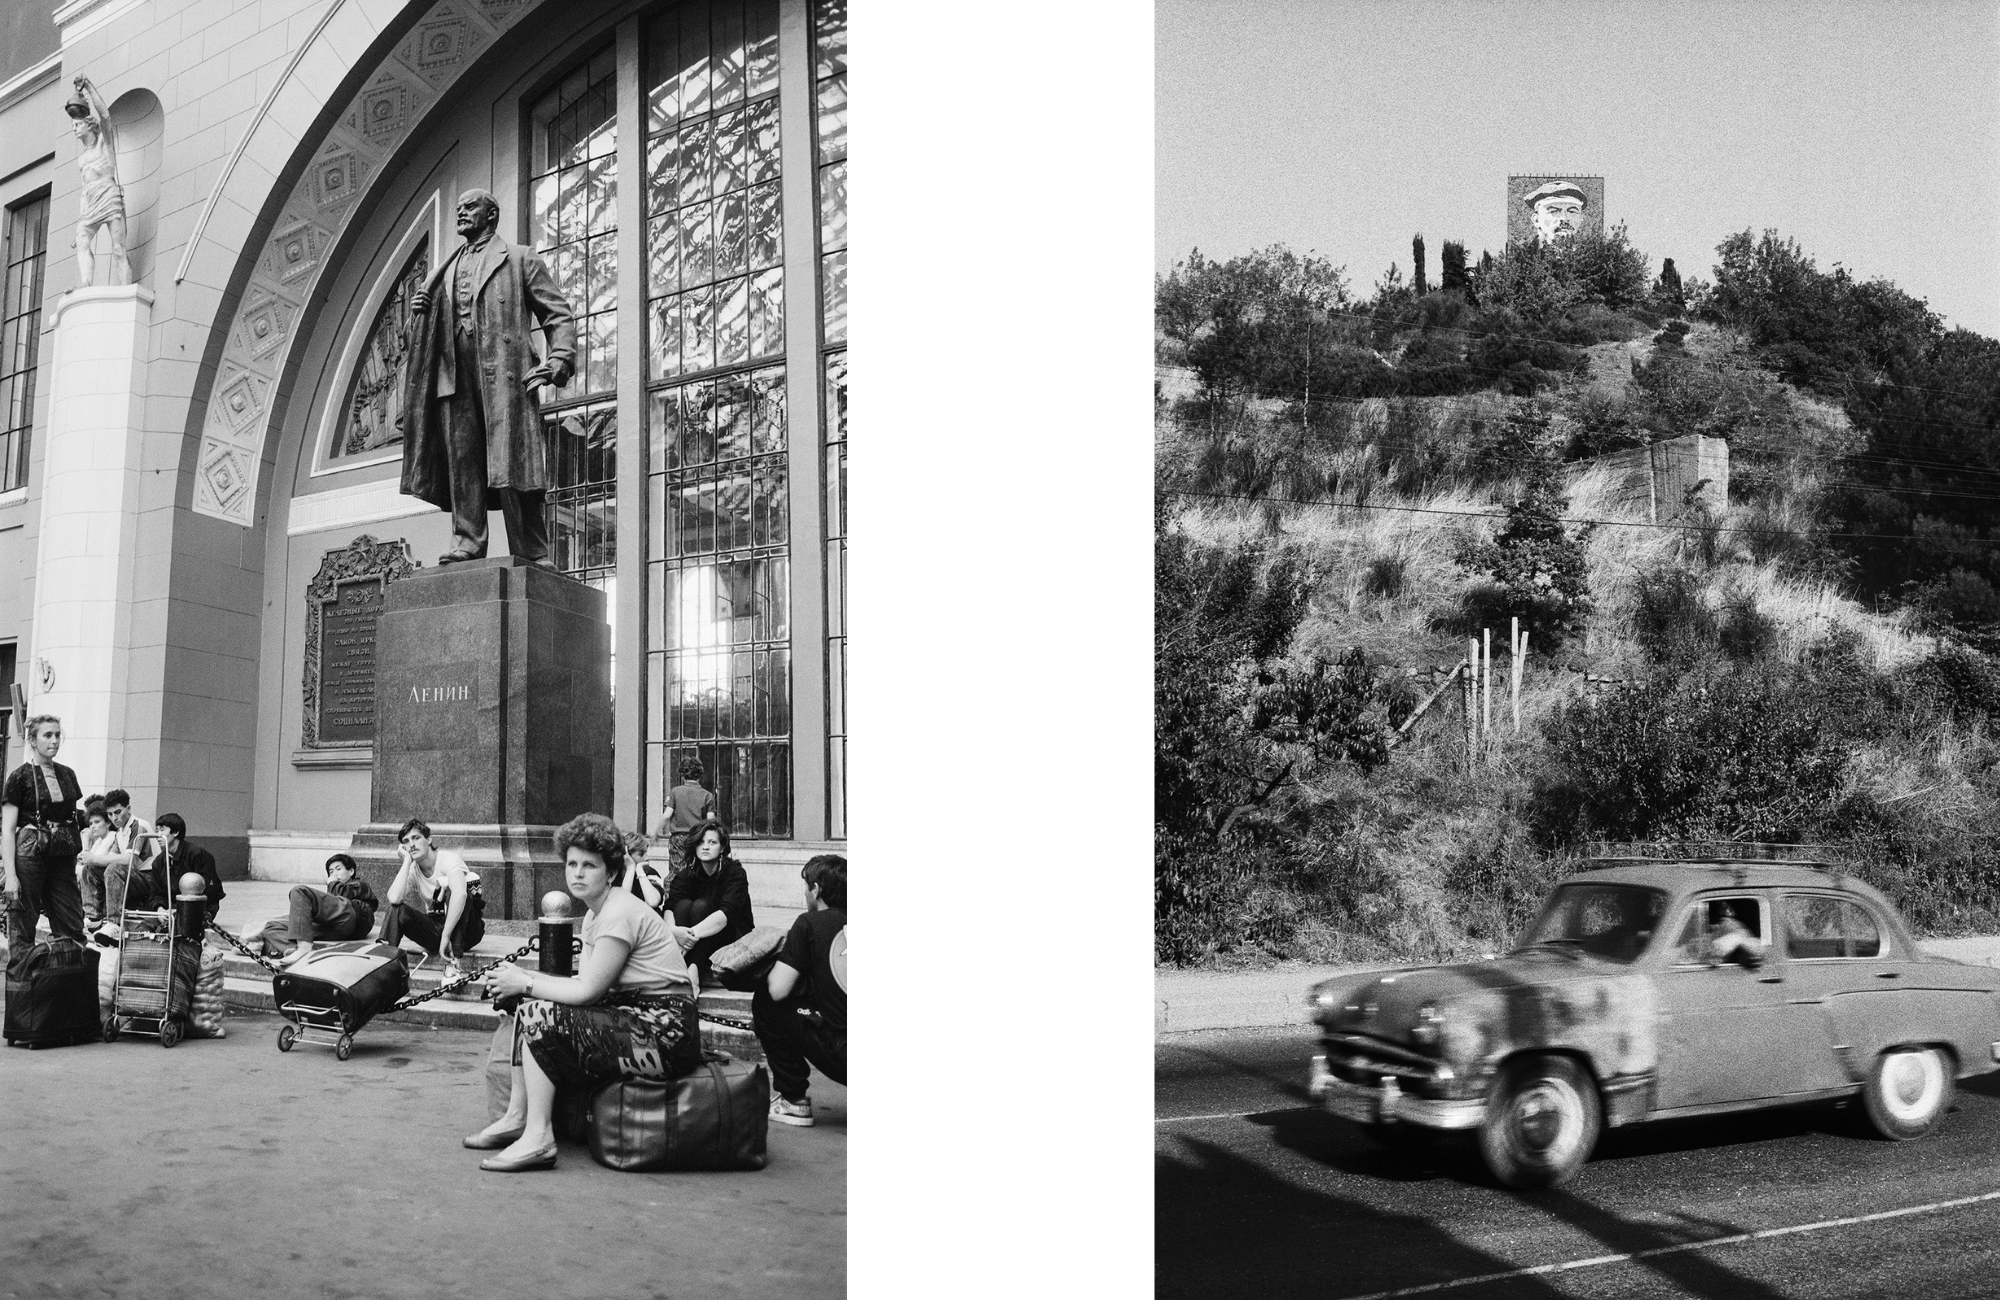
(1729,939)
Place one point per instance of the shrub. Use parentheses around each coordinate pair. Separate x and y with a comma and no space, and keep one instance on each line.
(1671,622)
(1539,567)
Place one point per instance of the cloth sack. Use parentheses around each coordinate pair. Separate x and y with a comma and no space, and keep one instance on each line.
(714,1118)
(206,1018)
(744,964)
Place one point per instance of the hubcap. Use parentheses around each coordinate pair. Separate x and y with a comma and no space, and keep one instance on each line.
(1911,1082)
(1545,1115)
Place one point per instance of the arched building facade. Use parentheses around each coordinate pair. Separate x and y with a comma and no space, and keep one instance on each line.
(198,474)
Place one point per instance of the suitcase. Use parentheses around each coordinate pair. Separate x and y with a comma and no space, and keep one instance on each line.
(52,996)
(712,1119)
(342,986)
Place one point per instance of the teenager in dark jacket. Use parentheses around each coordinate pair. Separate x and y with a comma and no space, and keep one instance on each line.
(345,909)
(177,857)
(709,898)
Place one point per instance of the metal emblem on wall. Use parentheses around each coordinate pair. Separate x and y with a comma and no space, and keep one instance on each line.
(342,605)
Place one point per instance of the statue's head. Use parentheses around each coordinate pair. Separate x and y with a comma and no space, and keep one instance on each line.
(1557,209)
(478,212)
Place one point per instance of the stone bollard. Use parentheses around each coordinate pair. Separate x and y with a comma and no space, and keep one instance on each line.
(191,906)
(558,933)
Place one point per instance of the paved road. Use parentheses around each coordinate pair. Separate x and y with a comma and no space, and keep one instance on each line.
(1258,1194)
(222,1169)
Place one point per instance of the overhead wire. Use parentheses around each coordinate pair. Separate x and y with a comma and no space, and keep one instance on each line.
(1902,538)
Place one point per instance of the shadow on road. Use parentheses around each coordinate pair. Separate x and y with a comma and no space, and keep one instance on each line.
(1695,1272)
(1226,1226)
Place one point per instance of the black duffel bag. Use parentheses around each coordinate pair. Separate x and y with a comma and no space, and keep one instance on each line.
(711,1119)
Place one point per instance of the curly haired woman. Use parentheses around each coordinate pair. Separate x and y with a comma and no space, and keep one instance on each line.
(628,1012)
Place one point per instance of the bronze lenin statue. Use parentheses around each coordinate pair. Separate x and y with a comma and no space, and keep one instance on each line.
(473,429)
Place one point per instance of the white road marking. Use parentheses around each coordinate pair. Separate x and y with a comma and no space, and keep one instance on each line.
(1231,1114)
(1599,1261)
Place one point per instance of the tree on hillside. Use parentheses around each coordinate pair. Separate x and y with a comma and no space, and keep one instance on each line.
(1250,323)
(1603,266)
(1667,290)
(1539,565)
(1421,285)
(1452,273)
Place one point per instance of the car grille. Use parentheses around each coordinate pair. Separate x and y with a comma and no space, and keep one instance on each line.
(1357,1058)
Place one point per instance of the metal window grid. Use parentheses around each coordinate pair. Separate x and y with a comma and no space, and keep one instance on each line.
(20,334)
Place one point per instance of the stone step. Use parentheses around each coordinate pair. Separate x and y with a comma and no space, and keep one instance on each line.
(247,985)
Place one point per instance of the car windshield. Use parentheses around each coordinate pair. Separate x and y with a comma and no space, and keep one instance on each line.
(1614,922)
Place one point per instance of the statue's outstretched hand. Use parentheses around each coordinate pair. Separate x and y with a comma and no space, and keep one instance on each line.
(551,374)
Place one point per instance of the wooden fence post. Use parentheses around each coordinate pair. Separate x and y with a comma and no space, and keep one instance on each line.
(1471,696)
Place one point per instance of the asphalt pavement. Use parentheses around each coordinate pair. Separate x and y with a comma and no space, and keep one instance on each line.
(223,1169)
(1260,1194)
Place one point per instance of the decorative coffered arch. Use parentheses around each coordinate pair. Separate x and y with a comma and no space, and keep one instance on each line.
(244,399)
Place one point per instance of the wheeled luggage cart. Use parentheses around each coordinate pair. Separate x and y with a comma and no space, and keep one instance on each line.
(157,967)
(337,989)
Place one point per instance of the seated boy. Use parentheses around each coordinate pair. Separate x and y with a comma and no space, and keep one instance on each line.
(434,899)
(801,1014)
(89,867)
(345,909)
(126,855)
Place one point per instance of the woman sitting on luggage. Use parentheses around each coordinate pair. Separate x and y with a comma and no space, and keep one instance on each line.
(627,1013)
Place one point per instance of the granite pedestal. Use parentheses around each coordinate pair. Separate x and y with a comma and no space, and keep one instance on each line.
(493,699)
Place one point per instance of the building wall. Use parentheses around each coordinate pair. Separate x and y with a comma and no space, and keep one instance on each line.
(27,36)
(260,279)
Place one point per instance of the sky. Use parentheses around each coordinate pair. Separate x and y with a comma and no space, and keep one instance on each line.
(1868,132)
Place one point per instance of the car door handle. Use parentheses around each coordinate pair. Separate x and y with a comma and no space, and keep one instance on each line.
(1771,979)
(1888,975)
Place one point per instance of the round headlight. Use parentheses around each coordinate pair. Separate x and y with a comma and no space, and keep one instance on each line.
(1429,1023)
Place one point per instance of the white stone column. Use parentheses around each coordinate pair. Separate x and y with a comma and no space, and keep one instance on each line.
(90,505)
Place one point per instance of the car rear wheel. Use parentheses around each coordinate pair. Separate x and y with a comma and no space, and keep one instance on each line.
(1907,1092)
(1541,1122)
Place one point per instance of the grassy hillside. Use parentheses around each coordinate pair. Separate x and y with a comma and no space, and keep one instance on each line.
(1315,551)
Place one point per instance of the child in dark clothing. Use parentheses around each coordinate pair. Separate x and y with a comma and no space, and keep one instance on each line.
(345,909)
(688,806)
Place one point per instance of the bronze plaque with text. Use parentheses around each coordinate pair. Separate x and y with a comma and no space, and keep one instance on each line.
(347,662)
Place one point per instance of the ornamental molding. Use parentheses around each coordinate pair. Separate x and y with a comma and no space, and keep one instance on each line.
(364,557)
(378,120)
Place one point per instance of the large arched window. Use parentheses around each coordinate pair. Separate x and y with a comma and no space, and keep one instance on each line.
(724,345)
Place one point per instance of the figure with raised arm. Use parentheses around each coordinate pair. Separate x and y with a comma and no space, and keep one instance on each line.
(102,205)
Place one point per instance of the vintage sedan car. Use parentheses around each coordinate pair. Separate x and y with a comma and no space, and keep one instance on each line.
(1651,990)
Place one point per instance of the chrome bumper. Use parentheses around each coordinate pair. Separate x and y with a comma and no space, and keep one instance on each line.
(1388,1104)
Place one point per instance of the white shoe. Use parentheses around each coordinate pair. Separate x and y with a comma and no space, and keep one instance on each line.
(799,1114)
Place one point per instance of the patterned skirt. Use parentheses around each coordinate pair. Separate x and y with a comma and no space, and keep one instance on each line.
(623,1036)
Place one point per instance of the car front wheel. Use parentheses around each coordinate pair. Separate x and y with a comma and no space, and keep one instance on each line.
(1908,1091)
(1541,1122)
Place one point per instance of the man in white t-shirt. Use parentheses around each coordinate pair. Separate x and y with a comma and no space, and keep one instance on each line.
(120,865)
(434,899)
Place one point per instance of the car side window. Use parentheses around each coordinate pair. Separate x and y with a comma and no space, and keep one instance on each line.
(1819,926)
(1717,925)
(1813,927)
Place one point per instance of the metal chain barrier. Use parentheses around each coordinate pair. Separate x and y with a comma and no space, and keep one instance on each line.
(244,948)
(451,986)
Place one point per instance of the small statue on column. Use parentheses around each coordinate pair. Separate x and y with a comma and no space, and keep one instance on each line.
(102,205)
